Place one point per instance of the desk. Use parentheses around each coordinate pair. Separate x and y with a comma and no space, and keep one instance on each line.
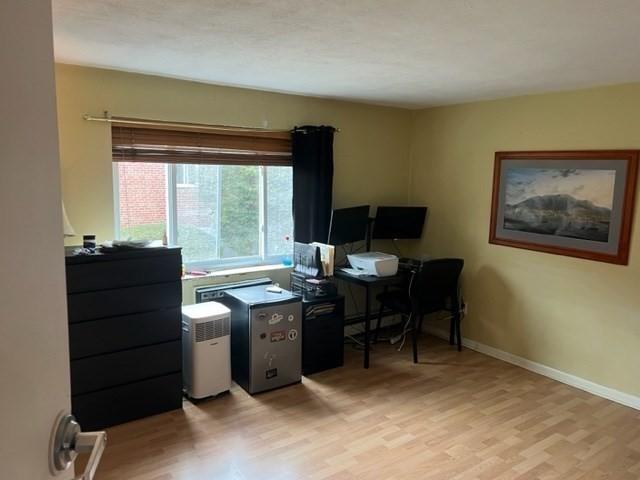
(368,282)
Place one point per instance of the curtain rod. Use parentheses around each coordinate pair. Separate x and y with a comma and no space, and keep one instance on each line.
(202,126)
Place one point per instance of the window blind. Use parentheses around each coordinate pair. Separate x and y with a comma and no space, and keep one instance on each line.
(213,147)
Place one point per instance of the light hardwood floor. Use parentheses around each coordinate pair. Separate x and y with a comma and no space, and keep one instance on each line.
(453,416)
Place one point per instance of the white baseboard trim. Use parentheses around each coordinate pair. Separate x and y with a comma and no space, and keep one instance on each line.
(564,377)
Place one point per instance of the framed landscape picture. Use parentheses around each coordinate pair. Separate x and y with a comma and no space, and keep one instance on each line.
(575,203)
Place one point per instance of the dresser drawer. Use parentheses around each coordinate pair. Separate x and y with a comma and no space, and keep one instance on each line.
(103,371)
(87,277)
(99,410)
(123,301)
(120,333)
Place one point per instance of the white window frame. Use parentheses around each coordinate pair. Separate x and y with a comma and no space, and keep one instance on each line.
(172,223)
(186,173)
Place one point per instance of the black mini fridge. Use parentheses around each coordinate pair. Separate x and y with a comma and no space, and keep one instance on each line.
(266,338)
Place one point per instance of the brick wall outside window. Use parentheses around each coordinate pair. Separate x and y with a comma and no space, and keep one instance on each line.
(143,193)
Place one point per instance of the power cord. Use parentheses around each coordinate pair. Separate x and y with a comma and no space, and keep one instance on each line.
(395,245)
(405,330)
(356,343)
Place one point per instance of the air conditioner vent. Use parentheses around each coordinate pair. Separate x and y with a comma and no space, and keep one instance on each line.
(210,293)
(212,329)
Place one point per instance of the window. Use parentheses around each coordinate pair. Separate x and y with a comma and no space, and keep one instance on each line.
(223,194)
(186,173)
(219,214)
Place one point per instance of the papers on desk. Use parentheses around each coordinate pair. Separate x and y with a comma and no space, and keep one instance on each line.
(319,310)
(327,257)
(353,271)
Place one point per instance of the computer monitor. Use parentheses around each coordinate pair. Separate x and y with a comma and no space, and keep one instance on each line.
(399,222)
(348,225)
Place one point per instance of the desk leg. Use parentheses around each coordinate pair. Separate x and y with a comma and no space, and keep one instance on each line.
(367,327)
(380,311)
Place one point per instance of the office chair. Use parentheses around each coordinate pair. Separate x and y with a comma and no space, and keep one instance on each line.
(430,286)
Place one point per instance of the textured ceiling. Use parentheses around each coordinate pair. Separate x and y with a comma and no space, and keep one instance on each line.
(409,53)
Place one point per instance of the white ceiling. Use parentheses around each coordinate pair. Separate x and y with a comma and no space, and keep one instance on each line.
(408,53)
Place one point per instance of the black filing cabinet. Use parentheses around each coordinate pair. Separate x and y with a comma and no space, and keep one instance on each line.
(124,334)
(322,334)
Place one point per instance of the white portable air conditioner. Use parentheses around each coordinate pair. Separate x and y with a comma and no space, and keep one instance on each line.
(206,349)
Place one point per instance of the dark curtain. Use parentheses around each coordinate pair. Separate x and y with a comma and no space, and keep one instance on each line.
(312,157)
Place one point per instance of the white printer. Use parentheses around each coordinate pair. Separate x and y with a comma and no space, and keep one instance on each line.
(373,263)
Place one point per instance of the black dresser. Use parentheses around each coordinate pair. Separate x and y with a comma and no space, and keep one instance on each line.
(124,335)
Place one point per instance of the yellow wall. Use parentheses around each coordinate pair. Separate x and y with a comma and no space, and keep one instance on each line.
(371,153)
(578,316)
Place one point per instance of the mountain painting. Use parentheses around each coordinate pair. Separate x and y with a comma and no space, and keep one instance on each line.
(577,203)
(565,202)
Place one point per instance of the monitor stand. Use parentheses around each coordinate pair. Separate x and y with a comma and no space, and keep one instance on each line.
(369,234)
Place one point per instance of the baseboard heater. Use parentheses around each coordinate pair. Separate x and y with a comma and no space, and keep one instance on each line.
(210,293)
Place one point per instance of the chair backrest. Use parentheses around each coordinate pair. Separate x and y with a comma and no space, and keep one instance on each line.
(436,281)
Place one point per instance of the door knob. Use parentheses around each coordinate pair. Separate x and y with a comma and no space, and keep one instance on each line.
(69,440)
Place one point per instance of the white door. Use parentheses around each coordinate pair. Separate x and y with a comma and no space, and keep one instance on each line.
(34,359)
